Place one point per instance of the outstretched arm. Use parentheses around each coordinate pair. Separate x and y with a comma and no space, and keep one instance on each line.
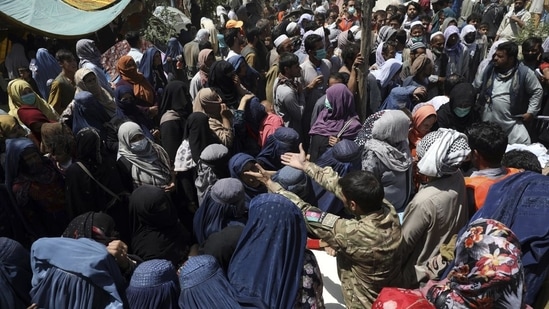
(321,224)
(326,177)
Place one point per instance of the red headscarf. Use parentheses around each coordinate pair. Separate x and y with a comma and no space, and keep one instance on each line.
(30,115)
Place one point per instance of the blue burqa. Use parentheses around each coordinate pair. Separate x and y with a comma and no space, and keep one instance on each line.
(268,260)
(75,273)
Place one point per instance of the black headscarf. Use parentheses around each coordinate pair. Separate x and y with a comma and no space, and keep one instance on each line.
(220,79)
(88,146)
(446,117)
(95,225)
(156,231)
(176,97)
(129,110)
(84,194)
(199,134)
(222,244)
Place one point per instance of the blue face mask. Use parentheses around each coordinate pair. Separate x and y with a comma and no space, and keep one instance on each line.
(327,104)
(417,39)
(462,111)
(351,10)
(320,54)
(28,99)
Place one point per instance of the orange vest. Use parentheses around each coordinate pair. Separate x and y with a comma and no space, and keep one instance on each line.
(481,184)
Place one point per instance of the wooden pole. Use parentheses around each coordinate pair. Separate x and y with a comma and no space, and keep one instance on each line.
(365,49)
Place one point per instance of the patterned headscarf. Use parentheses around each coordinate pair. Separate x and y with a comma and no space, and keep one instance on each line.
(95,225)
(488,271)
(384,35)
(442,152)
(383,135)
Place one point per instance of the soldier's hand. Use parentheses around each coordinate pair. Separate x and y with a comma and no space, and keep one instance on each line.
(262,176)
(295,160)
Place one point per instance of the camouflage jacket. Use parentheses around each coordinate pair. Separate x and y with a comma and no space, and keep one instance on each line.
(367,257)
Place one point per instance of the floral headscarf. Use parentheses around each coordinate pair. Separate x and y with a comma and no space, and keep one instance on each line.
(488,271)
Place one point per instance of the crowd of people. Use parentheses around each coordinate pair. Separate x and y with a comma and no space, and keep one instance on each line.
(202,175)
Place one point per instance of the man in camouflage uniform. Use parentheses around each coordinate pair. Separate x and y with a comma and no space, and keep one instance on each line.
(367,257)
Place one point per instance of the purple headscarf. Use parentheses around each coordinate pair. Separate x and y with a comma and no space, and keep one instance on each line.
(457,48)
(330,121)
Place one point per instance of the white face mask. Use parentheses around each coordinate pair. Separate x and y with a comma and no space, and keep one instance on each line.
(139,146)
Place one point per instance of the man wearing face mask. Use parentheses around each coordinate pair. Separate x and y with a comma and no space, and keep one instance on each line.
(531,52)
(316,72)
(349,19)
(416,33)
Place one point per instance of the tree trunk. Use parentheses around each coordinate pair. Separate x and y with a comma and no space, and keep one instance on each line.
(365,49)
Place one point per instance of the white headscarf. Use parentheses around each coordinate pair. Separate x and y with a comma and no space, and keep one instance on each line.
(387,71)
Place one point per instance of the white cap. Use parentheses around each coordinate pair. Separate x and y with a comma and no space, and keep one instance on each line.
(435,34)
(280,40)
(320,9)
(291,27)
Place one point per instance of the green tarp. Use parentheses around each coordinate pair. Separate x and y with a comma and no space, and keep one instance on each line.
(58,19)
